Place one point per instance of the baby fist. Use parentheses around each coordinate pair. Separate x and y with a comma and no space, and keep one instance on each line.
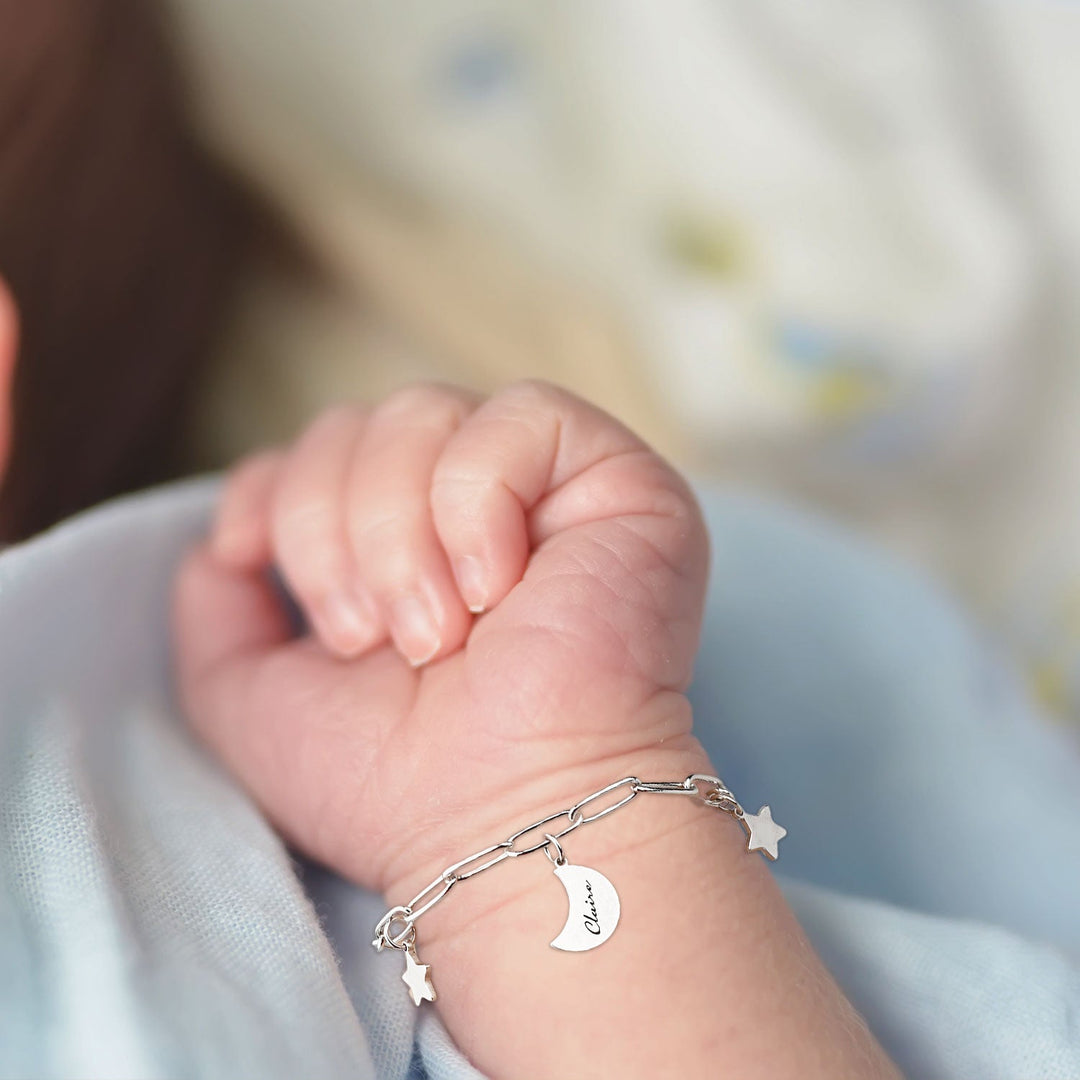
(505,599)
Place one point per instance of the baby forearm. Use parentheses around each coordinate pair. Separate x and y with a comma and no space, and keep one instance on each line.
(707,967)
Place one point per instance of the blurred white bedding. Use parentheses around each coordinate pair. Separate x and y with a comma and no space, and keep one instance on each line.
(830,249)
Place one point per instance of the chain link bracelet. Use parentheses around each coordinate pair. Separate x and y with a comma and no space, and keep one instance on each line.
(594,903)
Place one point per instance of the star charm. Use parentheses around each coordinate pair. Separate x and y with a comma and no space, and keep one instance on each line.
(417,979)
(764,833)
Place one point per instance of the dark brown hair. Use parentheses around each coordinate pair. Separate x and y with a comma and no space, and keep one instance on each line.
(120,241)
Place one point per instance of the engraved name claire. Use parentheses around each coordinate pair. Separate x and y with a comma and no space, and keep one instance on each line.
(592,919)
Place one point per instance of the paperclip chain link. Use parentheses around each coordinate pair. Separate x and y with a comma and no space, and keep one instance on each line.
(710,790)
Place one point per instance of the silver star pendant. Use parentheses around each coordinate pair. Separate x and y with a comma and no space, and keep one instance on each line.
(764,833)
(417,979)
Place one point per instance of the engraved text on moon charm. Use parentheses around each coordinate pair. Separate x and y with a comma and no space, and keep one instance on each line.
(594,908)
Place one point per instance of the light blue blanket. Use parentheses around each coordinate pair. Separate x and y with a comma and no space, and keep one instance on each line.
(151,925)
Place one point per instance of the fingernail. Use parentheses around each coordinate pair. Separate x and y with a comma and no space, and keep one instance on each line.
(350,627)
(413,629)
(472,582)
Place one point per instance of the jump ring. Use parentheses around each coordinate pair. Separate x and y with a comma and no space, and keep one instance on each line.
(560,858)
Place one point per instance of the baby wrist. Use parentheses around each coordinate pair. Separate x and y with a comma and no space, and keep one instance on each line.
(594,900)
(504,811)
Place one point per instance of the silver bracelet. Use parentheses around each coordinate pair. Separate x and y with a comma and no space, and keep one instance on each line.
(594,903)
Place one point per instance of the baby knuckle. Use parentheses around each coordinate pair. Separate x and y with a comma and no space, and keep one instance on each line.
(456,485)
(670,496)
(420,402)
(533,393)
(302,524)
(249,471)
(388,536)
(345,414)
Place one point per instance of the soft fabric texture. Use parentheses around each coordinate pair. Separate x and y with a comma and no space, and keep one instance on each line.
(152,925)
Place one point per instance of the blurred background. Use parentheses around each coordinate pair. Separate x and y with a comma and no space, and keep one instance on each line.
(828,250)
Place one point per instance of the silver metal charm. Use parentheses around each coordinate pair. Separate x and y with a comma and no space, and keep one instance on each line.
(594,905)
(764,834)
(417,977)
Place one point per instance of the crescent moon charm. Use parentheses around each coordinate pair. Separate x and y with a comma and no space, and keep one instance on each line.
(594,908)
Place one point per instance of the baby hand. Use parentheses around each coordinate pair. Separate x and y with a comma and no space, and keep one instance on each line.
(505,598)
